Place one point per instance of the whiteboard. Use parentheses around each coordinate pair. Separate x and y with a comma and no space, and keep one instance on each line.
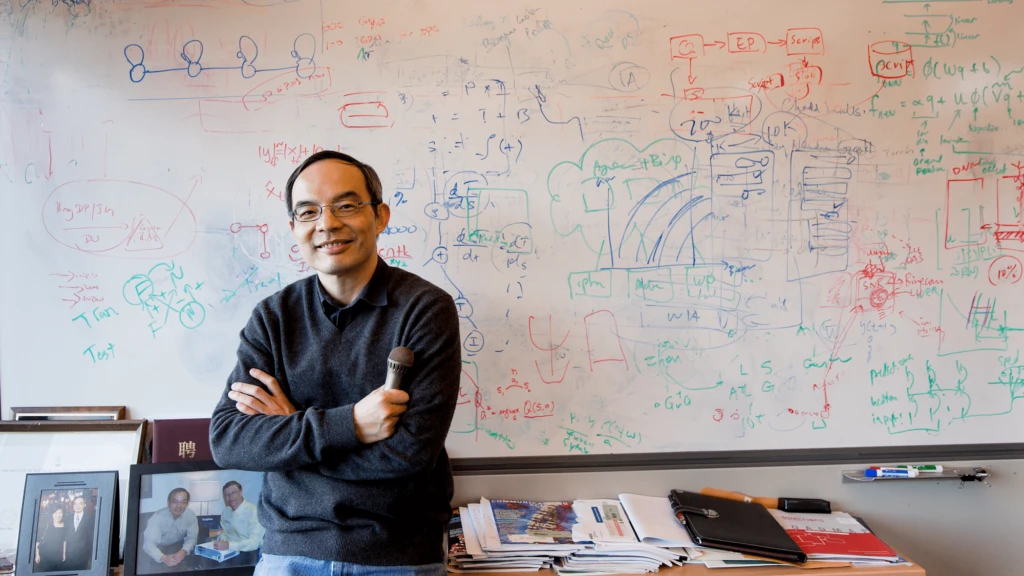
(668,226)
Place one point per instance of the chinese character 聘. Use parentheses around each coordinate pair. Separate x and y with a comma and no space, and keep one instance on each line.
(187,449)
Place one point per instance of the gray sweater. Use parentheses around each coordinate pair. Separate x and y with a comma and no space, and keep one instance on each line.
(325,495)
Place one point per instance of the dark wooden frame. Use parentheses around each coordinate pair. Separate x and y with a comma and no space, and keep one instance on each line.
(68,413)
(139,426)
(132,547)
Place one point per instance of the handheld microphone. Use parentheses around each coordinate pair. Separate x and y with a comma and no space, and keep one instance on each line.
(399,361)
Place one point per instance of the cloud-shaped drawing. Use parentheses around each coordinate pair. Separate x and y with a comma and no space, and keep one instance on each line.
(635,207)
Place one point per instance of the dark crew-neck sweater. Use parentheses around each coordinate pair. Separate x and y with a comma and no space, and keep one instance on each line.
(326,495)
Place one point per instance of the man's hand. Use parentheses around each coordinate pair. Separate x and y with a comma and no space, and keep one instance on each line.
(377,414)
(251,399)
(220,545)
(173,559)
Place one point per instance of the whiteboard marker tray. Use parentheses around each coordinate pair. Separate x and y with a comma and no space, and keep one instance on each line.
(973,474)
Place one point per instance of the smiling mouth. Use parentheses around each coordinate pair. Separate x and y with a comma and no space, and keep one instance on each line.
(334,245)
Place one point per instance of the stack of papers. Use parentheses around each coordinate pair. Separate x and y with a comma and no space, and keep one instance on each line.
(632,535)
(513,536)
(713,558)
(655,522)
(612,544)
(456,539)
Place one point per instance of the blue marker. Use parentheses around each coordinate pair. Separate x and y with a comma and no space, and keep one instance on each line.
(891,473)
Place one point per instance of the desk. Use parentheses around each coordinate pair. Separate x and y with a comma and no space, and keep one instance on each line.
(701,570)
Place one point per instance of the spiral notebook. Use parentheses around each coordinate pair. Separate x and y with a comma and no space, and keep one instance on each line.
(737,526)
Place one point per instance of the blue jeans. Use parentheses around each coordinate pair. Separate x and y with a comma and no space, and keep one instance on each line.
(271,565)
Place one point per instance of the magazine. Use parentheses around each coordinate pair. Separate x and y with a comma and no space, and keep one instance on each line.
(456,538)
(518,522)
(834,536)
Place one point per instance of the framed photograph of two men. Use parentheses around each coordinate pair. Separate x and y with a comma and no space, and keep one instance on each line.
(192,517)
(68,523)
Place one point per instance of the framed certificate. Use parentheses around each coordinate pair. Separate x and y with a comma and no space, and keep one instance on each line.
(63,447)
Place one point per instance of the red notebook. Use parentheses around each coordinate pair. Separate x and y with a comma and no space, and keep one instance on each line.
(181,440)
(835,536)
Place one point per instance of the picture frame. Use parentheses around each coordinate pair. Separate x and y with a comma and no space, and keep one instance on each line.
(68,523)
(47,413)
(182,509)
(63,447)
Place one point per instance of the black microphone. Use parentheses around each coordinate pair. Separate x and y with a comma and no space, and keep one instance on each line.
(399,361)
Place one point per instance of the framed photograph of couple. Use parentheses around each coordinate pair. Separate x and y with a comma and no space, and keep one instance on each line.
(192,517)
(68,523)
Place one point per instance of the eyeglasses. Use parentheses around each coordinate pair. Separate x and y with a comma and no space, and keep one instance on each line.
(343,209)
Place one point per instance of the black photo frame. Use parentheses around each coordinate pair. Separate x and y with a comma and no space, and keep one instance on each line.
(148,488)
(51,541)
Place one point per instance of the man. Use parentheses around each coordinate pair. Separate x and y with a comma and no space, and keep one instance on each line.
(355,474)
(172,531)
(239,528)
(78,554)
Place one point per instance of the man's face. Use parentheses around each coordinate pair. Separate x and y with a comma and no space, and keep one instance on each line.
(233,496)
(331,245)
(78,505)
(177,504)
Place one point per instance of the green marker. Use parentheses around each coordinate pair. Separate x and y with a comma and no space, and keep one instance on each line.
(920,467)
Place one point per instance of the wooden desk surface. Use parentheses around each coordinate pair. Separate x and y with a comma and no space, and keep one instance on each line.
(701,570)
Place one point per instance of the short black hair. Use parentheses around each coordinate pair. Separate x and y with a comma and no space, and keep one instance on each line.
(373,185)
(230,484)
(171,494)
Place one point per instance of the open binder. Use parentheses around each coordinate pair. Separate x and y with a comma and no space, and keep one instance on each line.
(737,526)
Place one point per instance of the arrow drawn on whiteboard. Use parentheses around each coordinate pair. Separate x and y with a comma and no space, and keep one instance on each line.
(690,77)
(1011,73)
(542,99)
(855,313)
(121,227)
(956,115)
(196,181)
